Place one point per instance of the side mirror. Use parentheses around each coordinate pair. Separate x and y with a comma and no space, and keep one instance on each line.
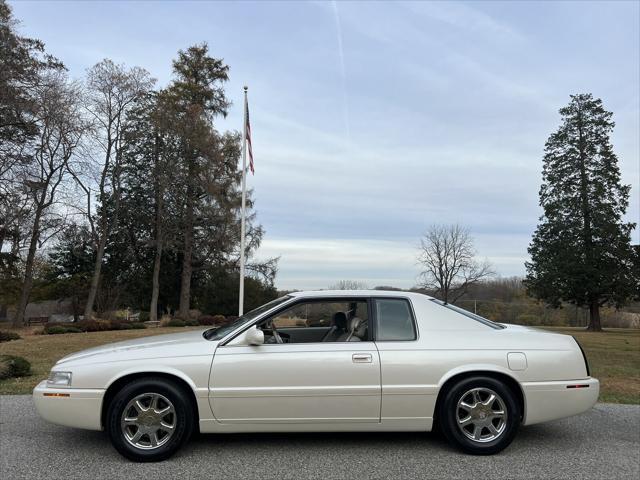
(254,336)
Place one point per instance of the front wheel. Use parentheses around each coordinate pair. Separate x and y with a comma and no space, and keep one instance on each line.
(149,419)
(479,415)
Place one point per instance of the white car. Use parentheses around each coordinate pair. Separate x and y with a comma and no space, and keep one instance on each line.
(324,361)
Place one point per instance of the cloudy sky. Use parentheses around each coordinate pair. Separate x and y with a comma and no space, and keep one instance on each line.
(372,121)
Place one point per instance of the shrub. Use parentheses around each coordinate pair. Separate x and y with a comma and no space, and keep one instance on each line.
(144,317)
(55,329)
(93,325)
(138,326)
(12,366)
(191,323)
(121,325)
(176,322)
(8,336)
(207,320)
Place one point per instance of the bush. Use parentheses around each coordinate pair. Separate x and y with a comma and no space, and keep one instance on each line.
(207,320)
(121,325)
(93,325)
(58,329)
(144,317)
(191,323)
(176,322)
(53,330)
(8,336)
(138,326)
(12,366)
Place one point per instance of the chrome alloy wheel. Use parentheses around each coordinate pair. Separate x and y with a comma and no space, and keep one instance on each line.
(148,421)
(481,415)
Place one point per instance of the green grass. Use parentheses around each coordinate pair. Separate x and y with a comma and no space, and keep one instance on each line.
(614,356)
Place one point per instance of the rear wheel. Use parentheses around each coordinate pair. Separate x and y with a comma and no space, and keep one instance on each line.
(479,415)
(149,419)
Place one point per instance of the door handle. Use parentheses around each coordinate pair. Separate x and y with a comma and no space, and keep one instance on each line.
(361,358)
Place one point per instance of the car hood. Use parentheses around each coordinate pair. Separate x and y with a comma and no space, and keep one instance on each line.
(173,344)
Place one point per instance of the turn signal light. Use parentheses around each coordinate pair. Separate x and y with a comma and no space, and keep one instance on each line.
(56,395)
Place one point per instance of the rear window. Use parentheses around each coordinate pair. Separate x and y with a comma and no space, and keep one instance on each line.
(469,314)
(394,320)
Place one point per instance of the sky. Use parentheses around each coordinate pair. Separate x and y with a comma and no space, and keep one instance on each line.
(372,121)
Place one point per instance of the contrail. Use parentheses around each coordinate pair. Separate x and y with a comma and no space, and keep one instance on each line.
(345,97)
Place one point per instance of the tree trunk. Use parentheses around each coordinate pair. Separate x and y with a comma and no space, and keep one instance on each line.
(95,279)
(185,284)
(594,306)
(159,193)
(28,270)
(75,305)
(155,291)
(594,317)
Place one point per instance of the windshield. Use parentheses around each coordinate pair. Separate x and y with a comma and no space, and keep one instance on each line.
(469,314)
(218,332)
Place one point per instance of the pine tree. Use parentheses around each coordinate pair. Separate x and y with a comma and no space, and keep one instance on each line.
(198,97)
(581,251)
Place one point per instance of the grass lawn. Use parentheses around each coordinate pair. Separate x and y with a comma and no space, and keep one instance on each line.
(614,356)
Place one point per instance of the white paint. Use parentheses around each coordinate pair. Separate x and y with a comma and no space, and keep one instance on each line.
(319,386)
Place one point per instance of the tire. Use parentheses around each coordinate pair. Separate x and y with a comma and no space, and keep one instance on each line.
(471,420)
(149,419)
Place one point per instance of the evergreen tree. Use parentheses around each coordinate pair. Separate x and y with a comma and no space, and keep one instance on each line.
(581,251)
(197,97)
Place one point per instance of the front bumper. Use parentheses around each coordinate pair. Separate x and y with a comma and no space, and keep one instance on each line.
(546,401)
(78,407)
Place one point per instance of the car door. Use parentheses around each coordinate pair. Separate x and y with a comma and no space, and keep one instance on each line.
(309,382)
(407,397)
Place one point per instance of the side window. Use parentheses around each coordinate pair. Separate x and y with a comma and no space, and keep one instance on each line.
(394,320)
(320,321)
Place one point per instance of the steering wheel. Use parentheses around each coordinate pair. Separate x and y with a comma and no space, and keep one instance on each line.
(276,335)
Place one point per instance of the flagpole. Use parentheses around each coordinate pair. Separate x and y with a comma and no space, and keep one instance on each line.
(244,200)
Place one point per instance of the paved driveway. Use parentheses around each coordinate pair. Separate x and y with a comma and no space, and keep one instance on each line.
(601,444)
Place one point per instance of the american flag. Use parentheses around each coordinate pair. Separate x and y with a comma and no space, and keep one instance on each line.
(248,126)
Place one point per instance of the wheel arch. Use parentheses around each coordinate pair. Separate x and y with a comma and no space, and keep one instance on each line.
(455,376)
(118,383)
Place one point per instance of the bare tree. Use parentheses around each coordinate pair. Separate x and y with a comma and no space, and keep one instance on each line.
(112,90)
(349,285)
(60,128)
(447,255)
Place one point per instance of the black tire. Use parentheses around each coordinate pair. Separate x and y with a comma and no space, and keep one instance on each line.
(184,419)
(448,416)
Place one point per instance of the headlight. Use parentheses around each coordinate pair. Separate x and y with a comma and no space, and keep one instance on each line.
(59,379)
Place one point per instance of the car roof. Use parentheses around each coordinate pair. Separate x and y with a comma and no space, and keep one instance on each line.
(357,293)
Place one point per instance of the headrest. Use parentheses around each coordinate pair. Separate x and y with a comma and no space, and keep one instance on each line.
(340,320)
(361,331)
(354,323)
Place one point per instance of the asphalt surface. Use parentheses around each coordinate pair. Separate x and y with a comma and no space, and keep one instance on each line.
(601,444)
